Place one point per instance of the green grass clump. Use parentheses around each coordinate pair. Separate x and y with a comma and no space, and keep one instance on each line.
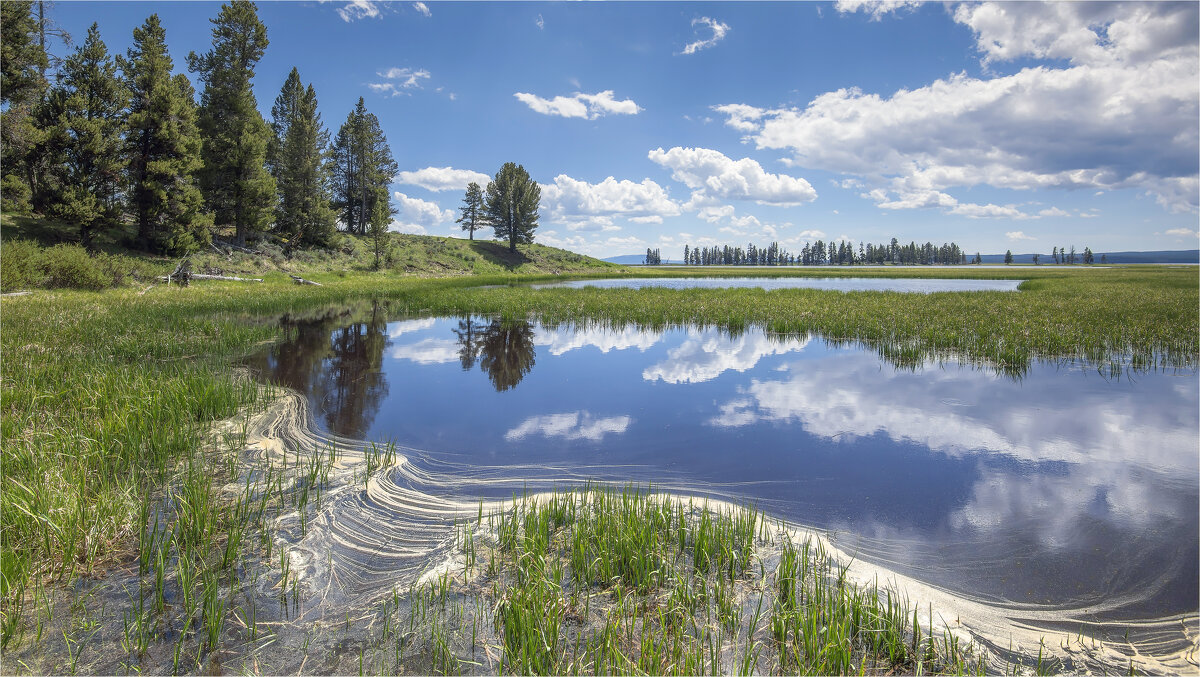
(624,581)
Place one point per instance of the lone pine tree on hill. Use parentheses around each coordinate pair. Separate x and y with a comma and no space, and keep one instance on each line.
(235,181)
(472,218)
(511,205)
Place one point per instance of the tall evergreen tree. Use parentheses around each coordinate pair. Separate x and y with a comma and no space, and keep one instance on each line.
(236,184)
(361,164)
(22,86)
(296,158)
(162,147)
(86,112)
(377,225)
(472,210)
(511,205)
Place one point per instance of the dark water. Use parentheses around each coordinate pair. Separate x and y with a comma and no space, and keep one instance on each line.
(900,284)
(1063,489)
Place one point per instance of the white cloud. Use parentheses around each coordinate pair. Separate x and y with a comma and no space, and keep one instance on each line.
(1054,211)
(603,339)
(541,23)
(717,28)
(876,8)
(579,105)
(578,425)
(415,215)
(358,9)
(422,8)
(438,179)
(1016,235)
(398,329)
(397,80)
(1181,232)
(708,353)
(1122,115)
(712,175)
(572,201)
(427,351)
(988,211)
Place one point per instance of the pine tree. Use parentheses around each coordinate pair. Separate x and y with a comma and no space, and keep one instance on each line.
(22,61)
(162,147)
(236,184)
(86,118)
(512,205)
(381,218)
(472,210)
(361,163)
(1008,257)
(296,158)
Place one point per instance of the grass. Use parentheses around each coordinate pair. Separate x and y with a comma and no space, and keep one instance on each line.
(106,397)
(602,580)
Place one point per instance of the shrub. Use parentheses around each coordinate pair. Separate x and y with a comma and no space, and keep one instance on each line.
(19,265)
(68,265)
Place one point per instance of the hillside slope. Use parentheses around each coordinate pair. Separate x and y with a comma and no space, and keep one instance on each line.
(30,262)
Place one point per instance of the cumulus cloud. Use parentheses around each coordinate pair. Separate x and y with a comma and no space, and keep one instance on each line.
(877,9)
(438,179)
(584,205)
(717,29)
(1054,211)
(707,354)
(579,105)
(427,351)
(1121,115)
(397,80)
(577,425)
(422,8)
(415,215)
(712,175)
(1016,235)
(1181,232)
(358,9)
(603,339)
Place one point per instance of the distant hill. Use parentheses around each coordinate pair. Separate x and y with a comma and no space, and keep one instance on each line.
(1164,256)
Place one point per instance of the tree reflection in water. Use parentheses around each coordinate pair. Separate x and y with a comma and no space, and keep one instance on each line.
(506,352)
(337,357)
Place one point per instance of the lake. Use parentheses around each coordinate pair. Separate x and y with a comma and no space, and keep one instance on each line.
(1063,495)
(898,284)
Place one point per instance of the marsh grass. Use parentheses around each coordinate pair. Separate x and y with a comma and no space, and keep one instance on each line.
(605,580)
(107,398)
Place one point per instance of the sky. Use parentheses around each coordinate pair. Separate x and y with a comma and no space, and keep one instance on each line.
(996,125)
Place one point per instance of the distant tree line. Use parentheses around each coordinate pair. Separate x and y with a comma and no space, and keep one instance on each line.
(1060,257)
(821,253)
(113,140)
(653,257)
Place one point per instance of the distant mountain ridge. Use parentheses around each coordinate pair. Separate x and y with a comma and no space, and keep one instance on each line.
(1161,256)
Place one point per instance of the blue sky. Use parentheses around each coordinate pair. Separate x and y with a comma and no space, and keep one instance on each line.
(1018,126)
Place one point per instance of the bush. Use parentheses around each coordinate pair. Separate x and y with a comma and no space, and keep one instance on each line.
(68,265)
(19,265)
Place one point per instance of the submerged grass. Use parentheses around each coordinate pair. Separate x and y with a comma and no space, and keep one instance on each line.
(106,397)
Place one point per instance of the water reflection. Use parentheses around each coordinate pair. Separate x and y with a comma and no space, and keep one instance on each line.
(336,357)
(1060,488)
(506,352)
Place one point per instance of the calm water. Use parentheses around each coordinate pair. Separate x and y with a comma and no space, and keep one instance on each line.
(901,284)
(1064,489)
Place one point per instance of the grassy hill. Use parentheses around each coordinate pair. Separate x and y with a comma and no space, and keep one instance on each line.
(44,253)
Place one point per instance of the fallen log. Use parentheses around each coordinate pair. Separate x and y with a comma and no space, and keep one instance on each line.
(300,280)
(202,276)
